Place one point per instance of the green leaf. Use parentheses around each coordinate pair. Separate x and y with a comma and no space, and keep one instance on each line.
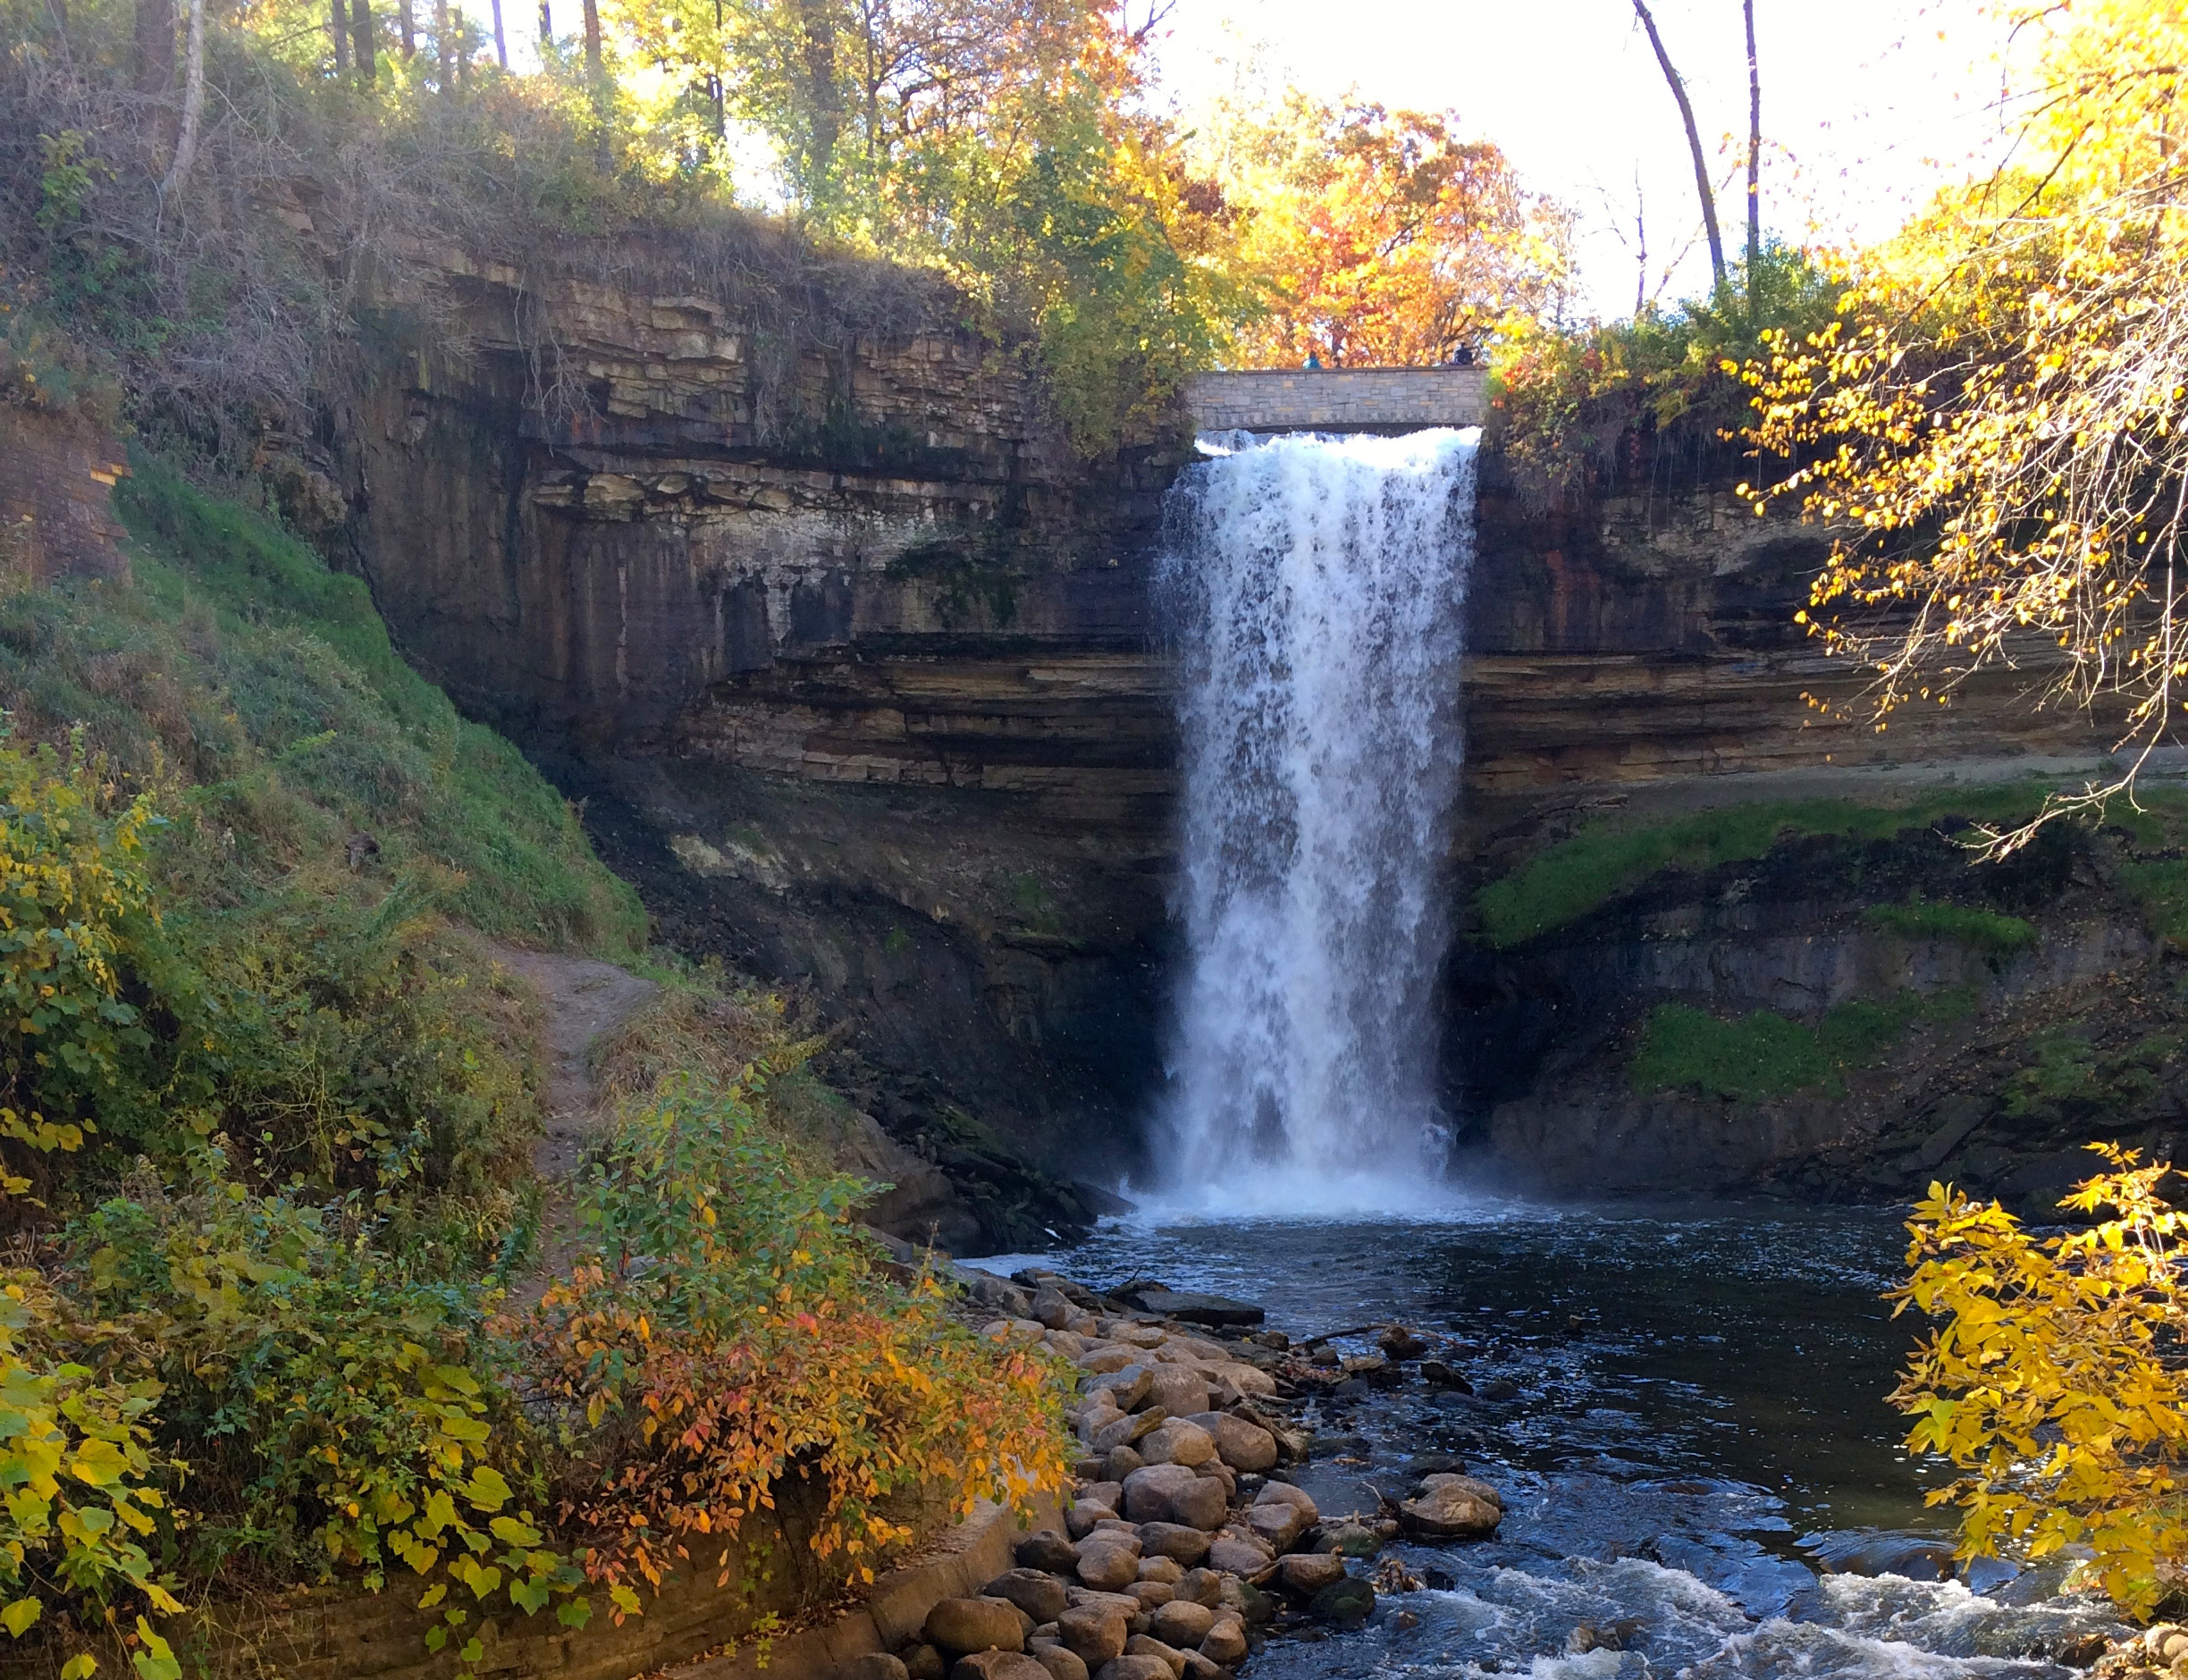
(81,1667)
(574,1612)
(156,1660)
(17,1617)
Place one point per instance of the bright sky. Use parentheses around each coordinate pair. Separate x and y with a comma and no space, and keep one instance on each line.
(1863,101)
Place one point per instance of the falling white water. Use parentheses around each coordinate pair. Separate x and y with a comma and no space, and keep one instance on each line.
(1314,586)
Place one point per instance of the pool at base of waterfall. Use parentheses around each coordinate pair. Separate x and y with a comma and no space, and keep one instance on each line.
(1685,1410)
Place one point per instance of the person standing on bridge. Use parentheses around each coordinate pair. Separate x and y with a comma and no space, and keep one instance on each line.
(1313,364)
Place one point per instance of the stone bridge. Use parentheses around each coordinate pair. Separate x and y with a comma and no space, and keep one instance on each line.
(1339,399)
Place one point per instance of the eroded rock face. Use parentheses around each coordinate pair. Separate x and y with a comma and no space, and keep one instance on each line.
(859,672)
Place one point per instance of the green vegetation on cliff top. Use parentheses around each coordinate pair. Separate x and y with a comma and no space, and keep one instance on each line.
(1765,1054)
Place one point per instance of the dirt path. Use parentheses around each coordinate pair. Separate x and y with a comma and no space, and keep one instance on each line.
(584,1000)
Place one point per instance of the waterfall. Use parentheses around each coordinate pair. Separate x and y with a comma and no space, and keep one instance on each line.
(1314,586)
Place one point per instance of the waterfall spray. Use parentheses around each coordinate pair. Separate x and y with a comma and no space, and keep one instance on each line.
(1315,587)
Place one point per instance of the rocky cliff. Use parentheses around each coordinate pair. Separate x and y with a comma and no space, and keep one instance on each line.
(856,668)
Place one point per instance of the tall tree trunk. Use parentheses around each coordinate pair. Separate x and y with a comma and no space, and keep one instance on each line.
(1754,156)
(338,26)
(444,44)
(193,105)
(1694,144)
(361,38)
(546,28)
(501,39)
(152,68)
(824,98)
(597,81)
(405,29)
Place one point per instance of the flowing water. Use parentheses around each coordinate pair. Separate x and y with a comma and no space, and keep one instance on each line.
(1684,1407)
(1706,1473)
(1315,587)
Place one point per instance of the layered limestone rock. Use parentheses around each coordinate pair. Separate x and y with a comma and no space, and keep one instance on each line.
(860,669)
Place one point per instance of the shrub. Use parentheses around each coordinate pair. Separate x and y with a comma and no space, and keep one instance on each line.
(73,887)
(336,1414)
(2055,1380)
(726,1329)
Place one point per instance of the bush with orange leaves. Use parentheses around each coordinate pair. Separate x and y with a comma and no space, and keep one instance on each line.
(727,1329)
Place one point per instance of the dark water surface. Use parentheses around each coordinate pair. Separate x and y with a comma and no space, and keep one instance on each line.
(1706,1471)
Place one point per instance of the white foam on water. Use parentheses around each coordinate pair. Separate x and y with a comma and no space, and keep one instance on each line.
(1316,588)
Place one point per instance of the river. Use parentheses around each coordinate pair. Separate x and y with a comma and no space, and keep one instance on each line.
(1697,1459)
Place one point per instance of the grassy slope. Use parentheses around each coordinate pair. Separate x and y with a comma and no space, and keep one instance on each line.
(238,666)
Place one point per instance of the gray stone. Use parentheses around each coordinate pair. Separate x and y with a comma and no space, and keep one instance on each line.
(1179,1389)
(1304,1573)
(1036,1592)
(959,1625)
(1190,1307)
(1226,1642)
(1176,1441)
(999,1665)
(1046,1550)
(1202,1586)
(1108,1567)
(923,1662)
(1181,1623)
(1168,1571)
(1236,1554)
(1094,1633)
(1180,1541)
(1081,1518)
(875,1665)
(1120,1464)
(1127,1428)
(1135,1667)
(1147,1491)
(1151,1595)
(1108,1493)
(1452,1508)
(1347,1603)
(1129,1387)
(1061,1661)
(1202,1504)
(1241,1445)
(1147,1645)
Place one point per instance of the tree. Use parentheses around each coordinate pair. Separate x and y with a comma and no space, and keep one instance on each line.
(2055,1380)
(1755,142)
(1694,141)
(1997,422)
(1388,238)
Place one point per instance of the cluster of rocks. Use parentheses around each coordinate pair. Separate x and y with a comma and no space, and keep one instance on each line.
(2159,1651)
(1185,1537)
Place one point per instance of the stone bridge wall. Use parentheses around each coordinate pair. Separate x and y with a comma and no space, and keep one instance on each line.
(1349,398)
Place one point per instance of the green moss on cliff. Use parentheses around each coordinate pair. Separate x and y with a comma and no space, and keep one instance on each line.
(1611,857)
(1983,930)
(1765,1054)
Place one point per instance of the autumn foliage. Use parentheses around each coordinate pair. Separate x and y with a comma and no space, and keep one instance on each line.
(726,1332)
(2056,1381)
(1384,238)
(1997,422)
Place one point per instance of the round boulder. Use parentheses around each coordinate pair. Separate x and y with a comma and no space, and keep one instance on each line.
(1142,1645)
(1304,1573)
(1203,1503)
(1135,1667)
(1347,1603)
(1094,1633)
(1181,1390)
(1178,1441)
(1062,1664)
(874,1665)
(997,1665)
(1182,1623)
(1226,1642)
(961,1625)
(1237,1554)
(1241,1445)
(1147,1491)
(1046,1550)
(1453,1507)
(1169,1571)
(1180,1541)
(1036,1592)
(1107,1566)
